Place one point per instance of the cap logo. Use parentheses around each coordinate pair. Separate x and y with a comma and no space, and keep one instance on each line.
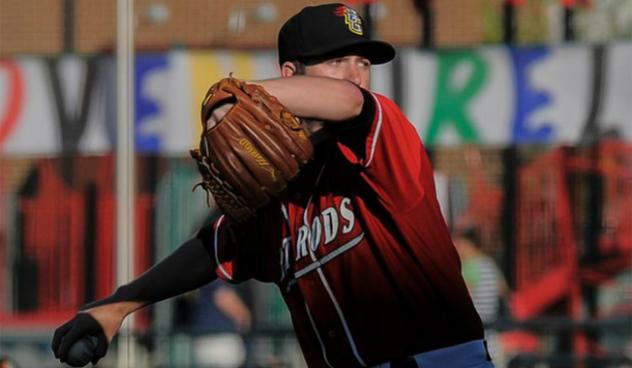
(352,19)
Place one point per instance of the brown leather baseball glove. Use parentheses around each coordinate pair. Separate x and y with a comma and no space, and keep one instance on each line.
(252,152)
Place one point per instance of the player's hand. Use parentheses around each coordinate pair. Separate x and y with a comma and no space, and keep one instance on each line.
(94,328)
(218,114)
(80,340)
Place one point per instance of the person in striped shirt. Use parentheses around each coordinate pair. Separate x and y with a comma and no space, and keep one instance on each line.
(485,283)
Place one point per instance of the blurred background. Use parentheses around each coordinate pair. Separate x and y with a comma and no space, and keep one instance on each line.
(525,107)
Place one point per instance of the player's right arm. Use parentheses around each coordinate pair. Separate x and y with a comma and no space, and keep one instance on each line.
(190,266)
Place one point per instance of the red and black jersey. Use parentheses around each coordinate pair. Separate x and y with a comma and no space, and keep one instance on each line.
(360,250)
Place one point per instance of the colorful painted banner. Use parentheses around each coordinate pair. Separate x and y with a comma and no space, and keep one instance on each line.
(527,95)
(487,95)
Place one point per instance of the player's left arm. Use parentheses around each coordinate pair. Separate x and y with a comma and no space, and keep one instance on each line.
(316,97)
(310,97)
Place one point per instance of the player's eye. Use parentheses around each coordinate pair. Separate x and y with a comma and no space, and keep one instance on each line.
(335,62)
(365,63)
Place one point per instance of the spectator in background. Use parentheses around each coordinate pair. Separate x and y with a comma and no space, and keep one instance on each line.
(5,362)
(485,283)
(219,318)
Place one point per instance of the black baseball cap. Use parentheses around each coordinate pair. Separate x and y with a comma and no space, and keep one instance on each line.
(329,30)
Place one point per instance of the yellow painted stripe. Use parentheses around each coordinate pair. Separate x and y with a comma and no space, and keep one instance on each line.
(207,68)
(244,64)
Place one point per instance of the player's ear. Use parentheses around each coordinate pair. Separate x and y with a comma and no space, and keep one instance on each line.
(288,69)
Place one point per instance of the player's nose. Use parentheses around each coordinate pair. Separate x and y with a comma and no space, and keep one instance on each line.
(353,74)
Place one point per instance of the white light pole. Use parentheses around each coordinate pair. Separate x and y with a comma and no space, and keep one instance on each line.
(125,155)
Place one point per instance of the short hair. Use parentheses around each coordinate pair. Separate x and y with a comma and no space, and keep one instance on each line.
(299,67)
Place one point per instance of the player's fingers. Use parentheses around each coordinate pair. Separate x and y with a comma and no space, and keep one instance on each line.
(101,348)
(59,334)
(83,324)
(66,342)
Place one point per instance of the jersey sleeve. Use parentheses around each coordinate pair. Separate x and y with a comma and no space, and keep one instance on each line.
(221,247)
(391,155)
(239,251)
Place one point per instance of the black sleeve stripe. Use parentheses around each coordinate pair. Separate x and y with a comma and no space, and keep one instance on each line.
(362,122)
(187,268)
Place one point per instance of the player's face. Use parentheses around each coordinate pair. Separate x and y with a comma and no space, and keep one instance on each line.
(356,69)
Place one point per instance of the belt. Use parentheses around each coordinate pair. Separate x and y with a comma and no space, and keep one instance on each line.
(472,354)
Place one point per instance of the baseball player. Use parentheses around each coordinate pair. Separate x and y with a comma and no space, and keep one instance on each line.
(358,247)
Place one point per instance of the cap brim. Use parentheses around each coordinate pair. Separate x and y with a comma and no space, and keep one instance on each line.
(378,52)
